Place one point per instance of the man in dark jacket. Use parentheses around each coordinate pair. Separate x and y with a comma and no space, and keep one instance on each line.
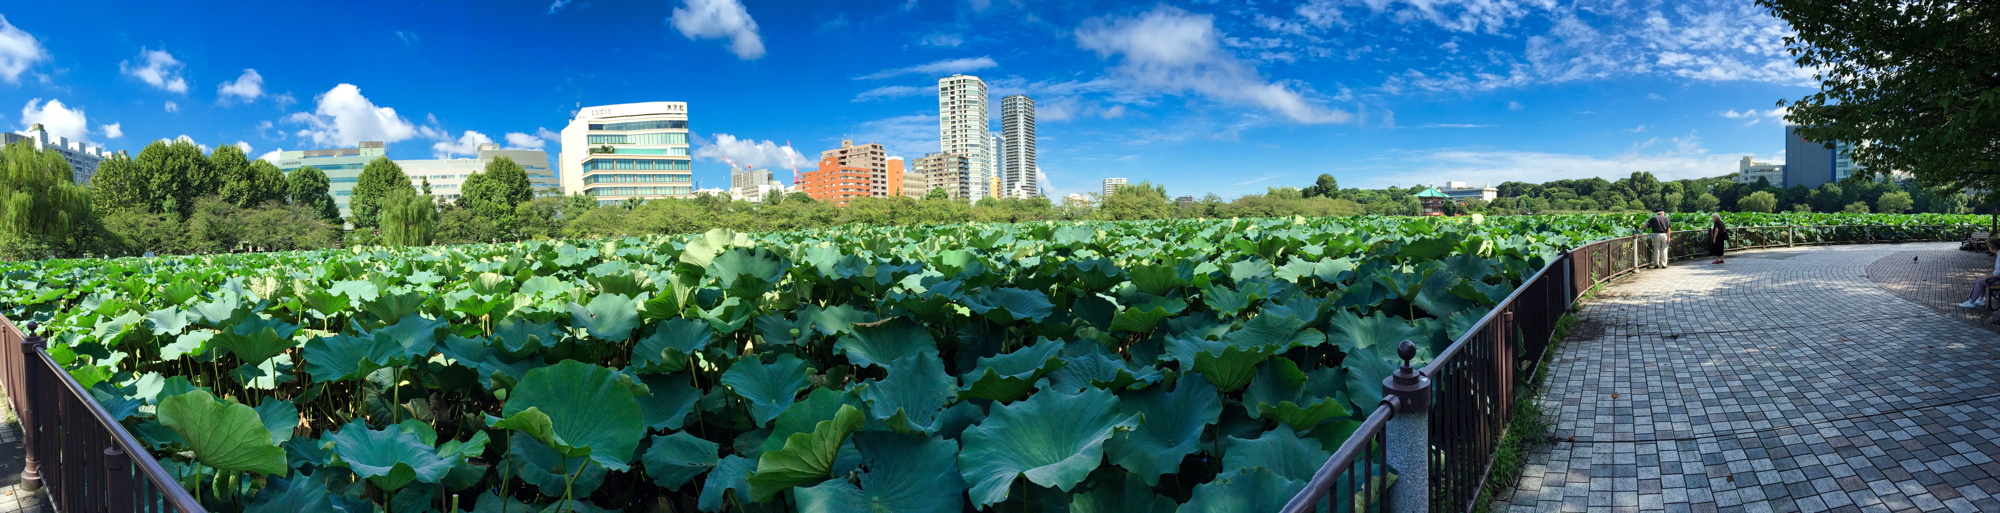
(1660,228)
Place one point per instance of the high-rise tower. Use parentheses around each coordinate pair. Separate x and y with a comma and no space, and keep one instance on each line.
(963,127)
(1017,125)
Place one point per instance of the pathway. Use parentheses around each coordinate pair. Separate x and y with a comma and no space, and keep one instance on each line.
(1784,380)
(12,459)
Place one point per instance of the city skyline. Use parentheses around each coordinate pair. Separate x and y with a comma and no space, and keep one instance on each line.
(1376,94)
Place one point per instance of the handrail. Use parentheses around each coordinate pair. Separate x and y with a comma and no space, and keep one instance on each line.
(1371,428)
(148,466)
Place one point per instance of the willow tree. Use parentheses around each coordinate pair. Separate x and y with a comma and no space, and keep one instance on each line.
(407,219)
(42,211)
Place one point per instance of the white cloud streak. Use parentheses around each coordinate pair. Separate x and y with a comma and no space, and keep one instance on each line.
(753,153)
(937,69)
(719,19)
(1171,51)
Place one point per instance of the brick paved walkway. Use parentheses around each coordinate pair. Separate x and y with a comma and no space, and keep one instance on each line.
(1784,380)
(1938,279)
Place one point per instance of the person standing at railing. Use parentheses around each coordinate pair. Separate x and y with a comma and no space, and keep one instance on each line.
(1978,296)
(1660,226)
(1718,238)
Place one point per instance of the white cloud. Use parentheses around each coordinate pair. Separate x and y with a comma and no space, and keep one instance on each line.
(344,118)
(1687,159)
(524,141)
(245,146)
(409,38)
(1755,116)
(269,156)
(1637,129)
(60,120)
(548,134)
(158,69)
(111,131)
(1261,178)
(749,152)
(1655,96)
(558,5)
(246,88)
(942,40)
(466,144)
(893,92)
(911,136)
(1490,16)
(719,19)
(1515,106)
(18,51)
(172,107)
(284,101)
(937,69)
(1171,51)
(190,140)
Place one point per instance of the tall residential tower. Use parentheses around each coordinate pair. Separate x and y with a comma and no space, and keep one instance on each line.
(633,150)
(1017,125)
(963,127)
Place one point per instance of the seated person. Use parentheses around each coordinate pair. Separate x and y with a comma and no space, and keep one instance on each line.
(1978,296)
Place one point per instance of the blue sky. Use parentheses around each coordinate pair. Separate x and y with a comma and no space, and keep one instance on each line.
(1226,97)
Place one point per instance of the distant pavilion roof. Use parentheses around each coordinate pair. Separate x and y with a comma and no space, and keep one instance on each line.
(1432,193)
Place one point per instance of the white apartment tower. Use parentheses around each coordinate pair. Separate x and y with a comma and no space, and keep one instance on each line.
(1017,125)
(963,128)
(633,150)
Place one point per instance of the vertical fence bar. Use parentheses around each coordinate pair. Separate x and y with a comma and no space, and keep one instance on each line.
(25,404)
(117,480)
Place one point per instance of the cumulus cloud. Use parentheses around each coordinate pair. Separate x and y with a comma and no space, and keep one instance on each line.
(246,88)
(111,131)
(466,144)
(719,19)
(243,145)
(937,69)
(750,152)
(158,69)
(1171,51)
(60,120)
(172,107)
(525,141)
(343,117)
(183,138)
(269,156)
(18,51)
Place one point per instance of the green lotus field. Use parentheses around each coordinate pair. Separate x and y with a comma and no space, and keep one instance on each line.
(1178,365)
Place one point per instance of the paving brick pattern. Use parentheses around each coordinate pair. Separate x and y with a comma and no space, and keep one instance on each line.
(12,497)
(1784,380)
(1938,279)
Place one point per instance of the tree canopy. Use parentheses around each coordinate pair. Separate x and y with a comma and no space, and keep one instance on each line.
(307,187)
(380,177)
(1915,84)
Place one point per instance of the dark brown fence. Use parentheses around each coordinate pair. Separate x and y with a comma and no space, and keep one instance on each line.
(85,459)
(1474,382)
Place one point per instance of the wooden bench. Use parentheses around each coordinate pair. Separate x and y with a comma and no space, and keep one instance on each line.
(1976,242)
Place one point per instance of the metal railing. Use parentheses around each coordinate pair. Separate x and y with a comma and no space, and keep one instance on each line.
(1474,381)
(86,460)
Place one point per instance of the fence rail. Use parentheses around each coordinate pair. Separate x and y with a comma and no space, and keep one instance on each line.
(1474,380)
(86,460)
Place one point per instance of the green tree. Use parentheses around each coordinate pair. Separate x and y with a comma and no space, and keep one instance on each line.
(118,185)
(407,219)
(1894,202)
(247,183)
(1760,201)
(1914,80)
(1325,187)
(42,210)
(378,179)
(174,175)
(936,194)
(1858,207)
(1144,200)
(1707,203)
(307,187)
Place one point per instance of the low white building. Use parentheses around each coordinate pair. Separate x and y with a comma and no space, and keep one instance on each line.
(447,175)
(1748,171)
(1461,191)
(1112,184)
(83,159)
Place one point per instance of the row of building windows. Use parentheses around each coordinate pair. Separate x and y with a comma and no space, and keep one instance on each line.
(641,191)
(630,164)
(641,125)
(638,179)
(652,138)
(330,167)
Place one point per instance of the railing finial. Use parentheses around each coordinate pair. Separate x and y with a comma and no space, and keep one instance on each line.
(1411,387)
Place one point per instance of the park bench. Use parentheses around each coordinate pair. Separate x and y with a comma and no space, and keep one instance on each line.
(1974,242)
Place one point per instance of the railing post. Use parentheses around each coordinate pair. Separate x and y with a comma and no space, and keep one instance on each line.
(117,480)
(1409,430)
(31,470)
(1789,235)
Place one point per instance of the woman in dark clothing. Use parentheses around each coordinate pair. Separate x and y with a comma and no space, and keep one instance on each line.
(1718,238)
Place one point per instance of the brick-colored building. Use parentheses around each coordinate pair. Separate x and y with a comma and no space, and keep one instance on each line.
(834,183)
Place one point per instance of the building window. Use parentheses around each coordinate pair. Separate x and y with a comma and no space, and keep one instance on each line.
(642,125)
